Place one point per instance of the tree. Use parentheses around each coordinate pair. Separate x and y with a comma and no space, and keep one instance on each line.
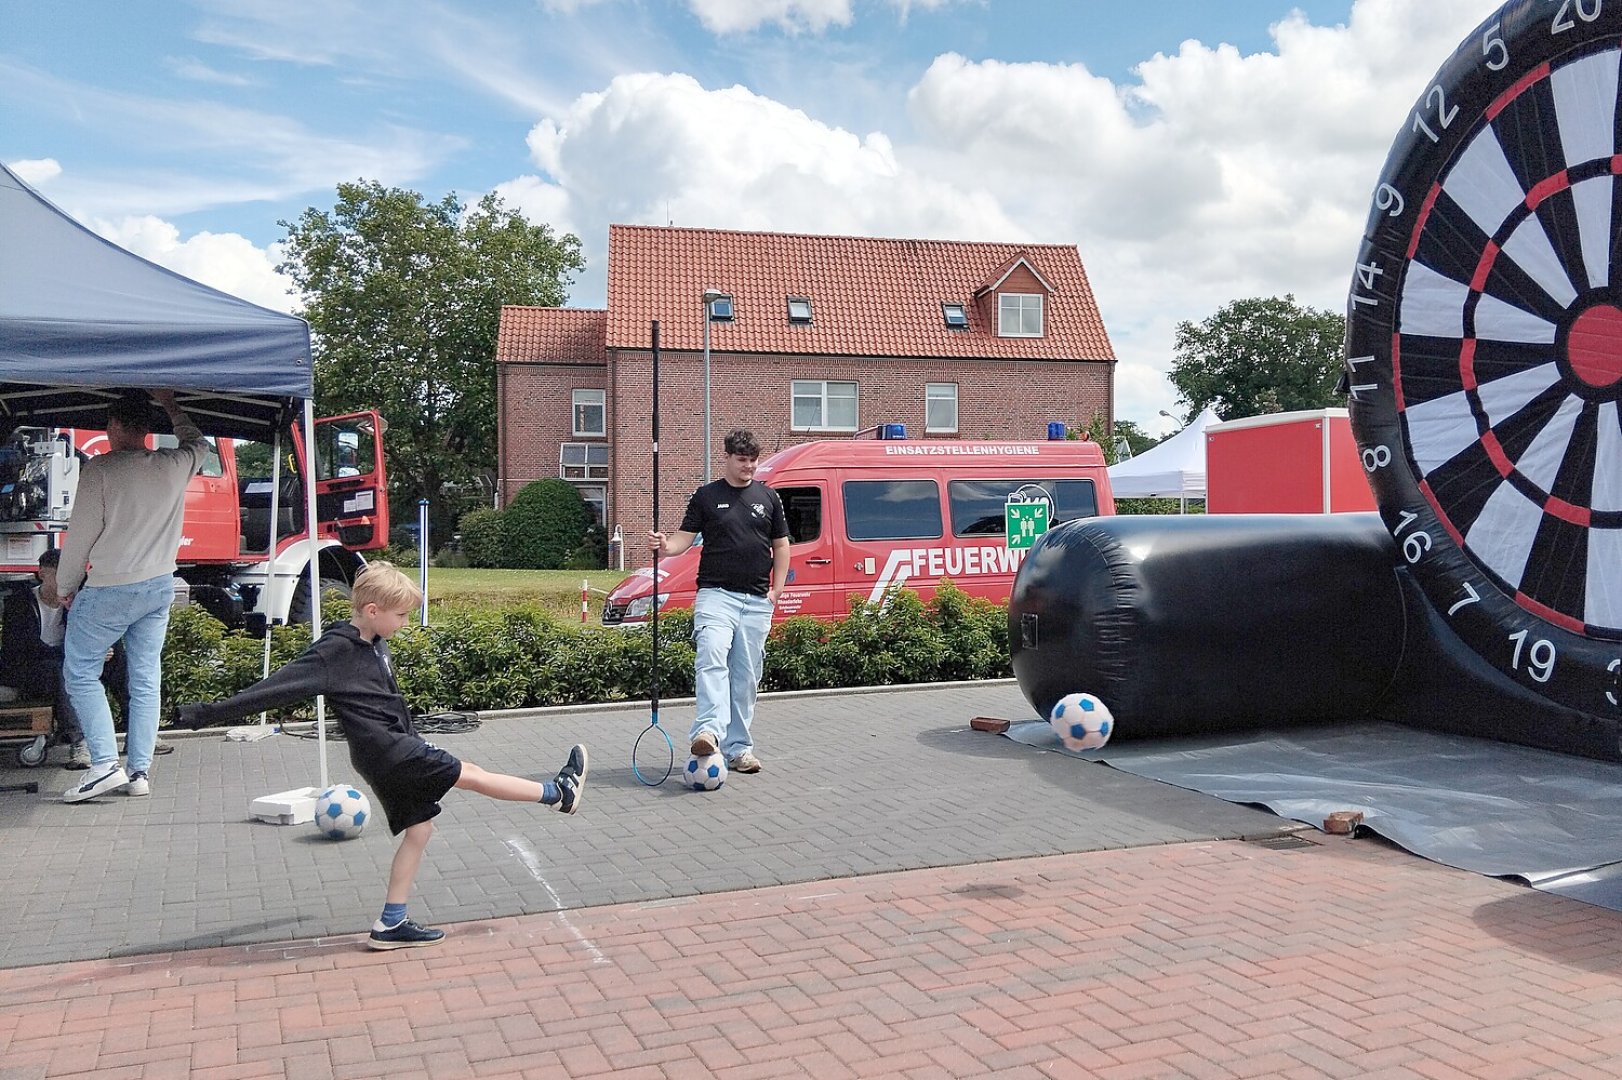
(403,298)
(1262,355)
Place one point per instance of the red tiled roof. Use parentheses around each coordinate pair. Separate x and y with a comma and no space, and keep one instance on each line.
(560,334)
(869,297)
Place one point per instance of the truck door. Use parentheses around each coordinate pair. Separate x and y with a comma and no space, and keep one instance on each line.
(810,589)
(351,485)
(210,526)
(894,535)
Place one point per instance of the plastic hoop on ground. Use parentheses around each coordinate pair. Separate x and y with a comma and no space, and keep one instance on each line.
(652,750)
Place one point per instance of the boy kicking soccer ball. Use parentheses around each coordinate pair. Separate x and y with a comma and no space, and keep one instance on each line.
(350,664)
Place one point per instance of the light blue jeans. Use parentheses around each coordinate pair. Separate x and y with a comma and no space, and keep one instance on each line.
(729,632)
(139,614)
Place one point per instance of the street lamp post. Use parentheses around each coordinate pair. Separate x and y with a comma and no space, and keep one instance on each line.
(1172,418)
(710,297)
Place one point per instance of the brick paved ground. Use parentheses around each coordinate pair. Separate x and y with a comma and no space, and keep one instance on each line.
(1340,958)
(1049,918)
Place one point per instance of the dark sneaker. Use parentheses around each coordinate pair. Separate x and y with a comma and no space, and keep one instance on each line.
(745,762)
(406,935)
(139,784)
(161,747)
(571,780)
(704,744)
(78,755)
(100,782)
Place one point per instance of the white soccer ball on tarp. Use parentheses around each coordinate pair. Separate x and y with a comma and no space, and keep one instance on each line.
(341,812)
(1082,722)
(705,773)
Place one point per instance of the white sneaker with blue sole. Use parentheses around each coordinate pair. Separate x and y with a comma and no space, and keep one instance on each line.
(98,782)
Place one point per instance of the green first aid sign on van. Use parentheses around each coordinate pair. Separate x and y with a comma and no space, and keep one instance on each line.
(1025,521)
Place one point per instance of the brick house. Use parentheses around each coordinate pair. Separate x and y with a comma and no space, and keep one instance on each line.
(811,337)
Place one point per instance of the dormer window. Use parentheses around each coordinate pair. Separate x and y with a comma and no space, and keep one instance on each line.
(721,309)
(955,314)
(1019,315)
(799,309)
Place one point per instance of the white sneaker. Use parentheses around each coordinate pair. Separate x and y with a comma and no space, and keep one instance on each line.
(99,782)
(139,785)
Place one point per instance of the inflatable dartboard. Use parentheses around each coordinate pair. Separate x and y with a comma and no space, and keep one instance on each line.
(1484,346)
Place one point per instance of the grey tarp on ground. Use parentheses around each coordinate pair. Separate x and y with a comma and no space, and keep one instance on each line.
(80,315)
(1476,804)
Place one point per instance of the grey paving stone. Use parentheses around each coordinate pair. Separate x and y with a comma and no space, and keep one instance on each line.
(855,783)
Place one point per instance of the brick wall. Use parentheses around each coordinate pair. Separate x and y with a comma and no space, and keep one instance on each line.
(537,416)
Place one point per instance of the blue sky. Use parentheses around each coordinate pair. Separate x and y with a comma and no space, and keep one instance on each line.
(1195,151)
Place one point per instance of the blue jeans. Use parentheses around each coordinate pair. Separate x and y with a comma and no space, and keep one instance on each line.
(139,614)
(729,633)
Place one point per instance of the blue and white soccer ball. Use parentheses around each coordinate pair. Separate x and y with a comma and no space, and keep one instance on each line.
(341,812)
(705,773)
(1082,721)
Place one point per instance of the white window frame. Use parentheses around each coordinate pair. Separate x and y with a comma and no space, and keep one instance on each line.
(588,398)
(583,468)
(801,389)
(597,499)
(1015,313)
(936,391)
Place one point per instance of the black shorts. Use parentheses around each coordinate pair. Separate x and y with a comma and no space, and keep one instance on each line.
(410,792)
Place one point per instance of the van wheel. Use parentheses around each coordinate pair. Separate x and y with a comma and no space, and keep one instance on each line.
(298,612)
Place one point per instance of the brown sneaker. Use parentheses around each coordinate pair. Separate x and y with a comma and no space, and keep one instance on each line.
(704,744)
(745,762)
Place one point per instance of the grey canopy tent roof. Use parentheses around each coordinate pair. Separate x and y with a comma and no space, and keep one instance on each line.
(81,318)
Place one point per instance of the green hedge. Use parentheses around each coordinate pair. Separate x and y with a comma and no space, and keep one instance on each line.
(522,658)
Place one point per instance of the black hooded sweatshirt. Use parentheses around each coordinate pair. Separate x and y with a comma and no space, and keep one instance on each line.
(357,677)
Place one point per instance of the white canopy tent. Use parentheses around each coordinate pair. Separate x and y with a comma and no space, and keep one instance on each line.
(1174,469)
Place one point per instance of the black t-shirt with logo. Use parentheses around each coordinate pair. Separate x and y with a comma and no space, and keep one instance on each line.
(738,526)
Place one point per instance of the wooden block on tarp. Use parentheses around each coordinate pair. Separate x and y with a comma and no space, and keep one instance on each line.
(1343,822)
(989,723)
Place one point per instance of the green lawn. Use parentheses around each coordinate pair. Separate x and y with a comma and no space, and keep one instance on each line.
(555,591)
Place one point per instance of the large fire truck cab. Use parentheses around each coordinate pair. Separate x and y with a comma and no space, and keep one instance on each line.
(224,557)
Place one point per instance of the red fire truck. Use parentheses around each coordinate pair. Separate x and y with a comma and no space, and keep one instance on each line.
(224,556)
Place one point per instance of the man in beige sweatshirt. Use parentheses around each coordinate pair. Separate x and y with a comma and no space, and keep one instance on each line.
(117,581)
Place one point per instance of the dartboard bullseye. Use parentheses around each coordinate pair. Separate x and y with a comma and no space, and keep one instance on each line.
(1485,345)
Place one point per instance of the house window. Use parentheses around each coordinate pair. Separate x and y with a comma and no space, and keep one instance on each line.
(824,406)
(583,461)
(940,408)
(956,316)
(596,498)
(721,309)
(1019,315)
(588,412)
(799,309)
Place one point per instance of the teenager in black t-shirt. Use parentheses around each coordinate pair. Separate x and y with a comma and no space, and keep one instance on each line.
(742,566)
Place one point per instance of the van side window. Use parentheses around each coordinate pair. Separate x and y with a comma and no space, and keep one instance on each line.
(803,508)
(977,505)
(892,510)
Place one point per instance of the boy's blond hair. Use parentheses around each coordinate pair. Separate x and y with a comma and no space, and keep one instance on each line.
(383,584)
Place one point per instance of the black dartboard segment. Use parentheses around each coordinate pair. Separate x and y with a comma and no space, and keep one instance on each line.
(1484,345)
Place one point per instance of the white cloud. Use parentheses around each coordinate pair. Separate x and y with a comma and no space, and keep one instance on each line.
(226,261)
(1212,176)
(793,16)
(36,172)
(189,67)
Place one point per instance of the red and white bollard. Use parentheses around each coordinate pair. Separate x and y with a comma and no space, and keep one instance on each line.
(583,600)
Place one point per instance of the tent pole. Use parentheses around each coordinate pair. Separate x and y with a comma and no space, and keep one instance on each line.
(315,574)
(270,552)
